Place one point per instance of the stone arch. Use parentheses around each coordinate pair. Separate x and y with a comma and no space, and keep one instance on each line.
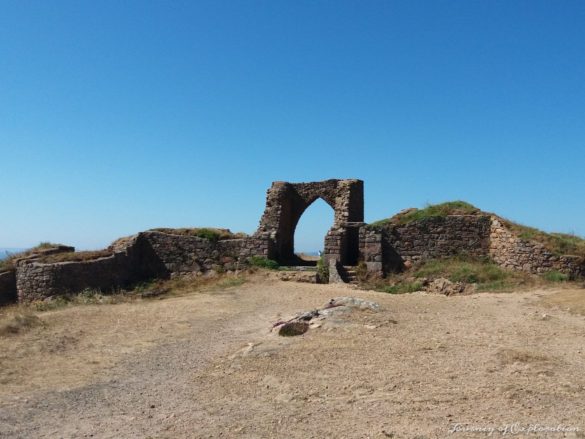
(286,203)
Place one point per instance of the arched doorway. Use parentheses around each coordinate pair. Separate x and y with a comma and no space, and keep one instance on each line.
(311,230)
(285,204)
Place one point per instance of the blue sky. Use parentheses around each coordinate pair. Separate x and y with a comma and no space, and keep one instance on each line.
(116,117)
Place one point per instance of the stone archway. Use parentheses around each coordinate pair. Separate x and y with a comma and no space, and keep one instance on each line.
(286,203)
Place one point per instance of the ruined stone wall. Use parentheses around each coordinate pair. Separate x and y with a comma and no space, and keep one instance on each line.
(510,251)
(377,253)
(286,203)
(439,237)
(7,286)
(182,254)
(471,235)
(37,280)
(145,256)
(134,262)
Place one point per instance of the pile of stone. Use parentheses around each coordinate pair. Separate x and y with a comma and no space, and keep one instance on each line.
(338,306)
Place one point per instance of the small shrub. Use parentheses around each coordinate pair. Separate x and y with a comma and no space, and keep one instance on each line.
(555,276)
(261,262)
(362,271)
(210,234)
(322,271)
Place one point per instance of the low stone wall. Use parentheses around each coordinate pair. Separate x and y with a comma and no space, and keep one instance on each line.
(156,254)
(134,262)
(377,253)
(439,237)
(8,287)
(143,257)
(471,235)
(510,251)
(182,254)
(37,280)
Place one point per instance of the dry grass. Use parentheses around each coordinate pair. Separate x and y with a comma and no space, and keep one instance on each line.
(210,233)
(511,356)
(557,243)
(206,361)
(9,262)
(76,256)
(88,333)
(572,300)
(18,320)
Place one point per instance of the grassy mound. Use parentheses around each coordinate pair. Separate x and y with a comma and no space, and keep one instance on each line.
(213,234)
(556,243)
(430,211)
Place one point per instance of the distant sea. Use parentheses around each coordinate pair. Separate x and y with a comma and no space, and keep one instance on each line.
(5,252)
(310,253)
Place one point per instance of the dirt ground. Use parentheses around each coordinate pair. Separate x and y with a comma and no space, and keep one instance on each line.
(206,365)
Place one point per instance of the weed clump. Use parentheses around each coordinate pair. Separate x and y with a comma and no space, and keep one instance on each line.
(260,262)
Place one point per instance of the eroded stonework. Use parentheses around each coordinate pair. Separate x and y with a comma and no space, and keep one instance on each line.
(386,248)
(286,203)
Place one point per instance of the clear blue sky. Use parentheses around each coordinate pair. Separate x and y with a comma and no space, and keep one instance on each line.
(119,116)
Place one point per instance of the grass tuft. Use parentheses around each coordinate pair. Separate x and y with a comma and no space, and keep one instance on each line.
(322,271)
(556,276)
(258,261)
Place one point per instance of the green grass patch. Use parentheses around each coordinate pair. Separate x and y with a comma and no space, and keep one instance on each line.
(462,270)
(322,271)
(557,243)
(555,276)
(485,274)
(261,262)
(402,288)
(429,211)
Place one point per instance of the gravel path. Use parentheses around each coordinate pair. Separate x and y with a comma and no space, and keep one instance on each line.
(207,365)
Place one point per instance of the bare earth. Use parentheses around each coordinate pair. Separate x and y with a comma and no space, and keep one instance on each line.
(207,365)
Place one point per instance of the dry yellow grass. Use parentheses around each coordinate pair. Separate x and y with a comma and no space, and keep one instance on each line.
(572,300)
(204,363)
